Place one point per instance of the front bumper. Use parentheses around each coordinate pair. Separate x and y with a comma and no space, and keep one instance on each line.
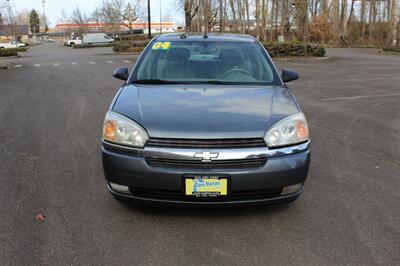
(163,184)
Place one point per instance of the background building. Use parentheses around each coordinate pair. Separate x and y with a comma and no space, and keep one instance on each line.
(14,32)
(92,26)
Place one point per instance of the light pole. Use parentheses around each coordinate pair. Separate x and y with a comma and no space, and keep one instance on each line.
(44,16)
(221,18)
(149,18)
(160,17)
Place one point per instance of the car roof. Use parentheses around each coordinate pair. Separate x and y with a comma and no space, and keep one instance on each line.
(225,37)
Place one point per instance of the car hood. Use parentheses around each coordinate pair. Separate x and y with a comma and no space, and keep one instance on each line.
(205,111)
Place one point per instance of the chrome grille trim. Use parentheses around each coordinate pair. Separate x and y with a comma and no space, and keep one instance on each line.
(206,143)
(224,154)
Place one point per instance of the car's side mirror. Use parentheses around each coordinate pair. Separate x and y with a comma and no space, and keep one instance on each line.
(121,73)
(289,75)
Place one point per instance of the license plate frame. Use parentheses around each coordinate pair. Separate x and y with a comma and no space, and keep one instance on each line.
(195,186)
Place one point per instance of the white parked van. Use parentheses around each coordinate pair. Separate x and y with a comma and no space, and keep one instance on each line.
(92,38)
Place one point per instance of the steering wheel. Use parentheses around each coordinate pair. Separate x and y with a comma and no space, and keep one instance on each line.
(236,70)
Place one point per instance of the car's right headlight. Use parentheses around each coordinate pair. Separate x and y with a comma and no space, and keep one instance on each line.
(122,130)
(288,131)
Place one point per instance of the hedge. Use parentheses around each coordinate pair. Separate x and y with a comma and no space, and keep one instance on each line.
(294,49)
(81,46)
(125,47)
(392,49)
(12,51)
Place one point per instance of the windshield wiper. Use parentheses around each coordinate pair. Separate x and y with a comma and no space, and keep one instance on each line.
(155,81)
(218,82)
(163,81)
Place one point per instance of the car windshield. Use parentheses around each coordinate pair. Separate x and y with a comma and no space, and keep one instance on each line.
(205,62)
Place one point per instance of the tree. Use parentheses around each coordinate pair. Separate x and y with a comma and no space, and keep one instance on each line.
(302,19)
(130,13)
(191,7)
(64,16)
(110,15)
(393,19)
(22,17)
(79,17)
(34,22)
(9,18)
(120,13)
(97,16)
(336,22)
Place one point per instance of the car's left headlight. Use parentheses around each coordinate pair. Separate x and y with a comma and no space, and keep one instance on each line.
(288,131)
(122,130)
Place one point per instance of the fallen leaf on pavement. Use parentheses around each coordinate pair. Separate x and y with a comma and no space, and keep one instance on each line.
(39,217)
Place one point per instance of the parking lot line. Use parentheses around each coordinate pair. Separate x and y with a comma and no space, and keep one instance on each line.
(74,63)
(360,97)
(318,82)
(127,61)
(18,66)
(92,63)
(110,62)
(36,65)
(56,64)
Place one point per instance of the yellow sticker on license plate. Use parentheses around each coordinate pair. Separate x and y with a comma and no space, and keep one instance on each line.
(206,186)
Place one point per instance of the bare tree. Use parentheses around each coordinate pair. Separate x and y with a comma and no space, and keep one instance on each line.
(79,17)
(394,22)
(130,13)
(97,16)
(9,18)
(330,21)
(111,15)
(233,10)
(117,13)
(191,8)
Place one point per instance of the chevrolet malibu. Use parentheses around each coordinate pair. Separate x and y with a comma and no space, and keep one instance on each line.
(205,120)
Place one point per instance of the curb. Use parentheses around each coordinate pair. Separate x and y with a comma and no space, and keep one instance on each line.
(127,53)
(12,57)
(382,52)
(302,59)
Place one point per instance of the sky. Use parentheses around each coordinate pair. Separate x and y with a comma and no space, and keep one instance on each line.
(54,7)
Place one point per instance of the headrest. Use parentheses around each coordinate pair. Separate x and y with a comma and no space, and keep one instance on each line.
(230,54)
(178,54)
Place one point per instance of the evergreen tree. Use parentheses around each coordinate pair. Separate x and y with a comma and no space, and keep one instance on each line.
(34,22)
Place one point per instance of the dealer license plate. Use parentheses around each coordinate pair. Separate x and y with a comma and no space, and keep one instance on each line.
(206,186)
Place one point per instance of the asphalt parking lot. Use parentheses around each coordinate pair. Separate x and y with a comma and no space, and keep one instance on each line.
(52,105)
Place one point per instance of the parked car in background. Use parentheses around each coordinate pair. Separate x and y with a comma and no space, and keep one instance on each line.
(92,38)
(12,44)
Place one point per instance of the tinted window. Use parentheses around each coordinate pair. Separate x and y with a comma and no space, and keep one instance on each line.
(202,61)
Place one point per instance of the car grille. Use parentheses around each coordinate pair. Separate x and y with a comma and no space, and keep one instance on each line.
(242,163)
(206,143)
(179,196)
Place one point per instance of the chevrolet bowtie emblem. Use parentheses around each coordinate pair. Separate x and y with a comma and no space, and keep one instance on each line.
(206,156)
